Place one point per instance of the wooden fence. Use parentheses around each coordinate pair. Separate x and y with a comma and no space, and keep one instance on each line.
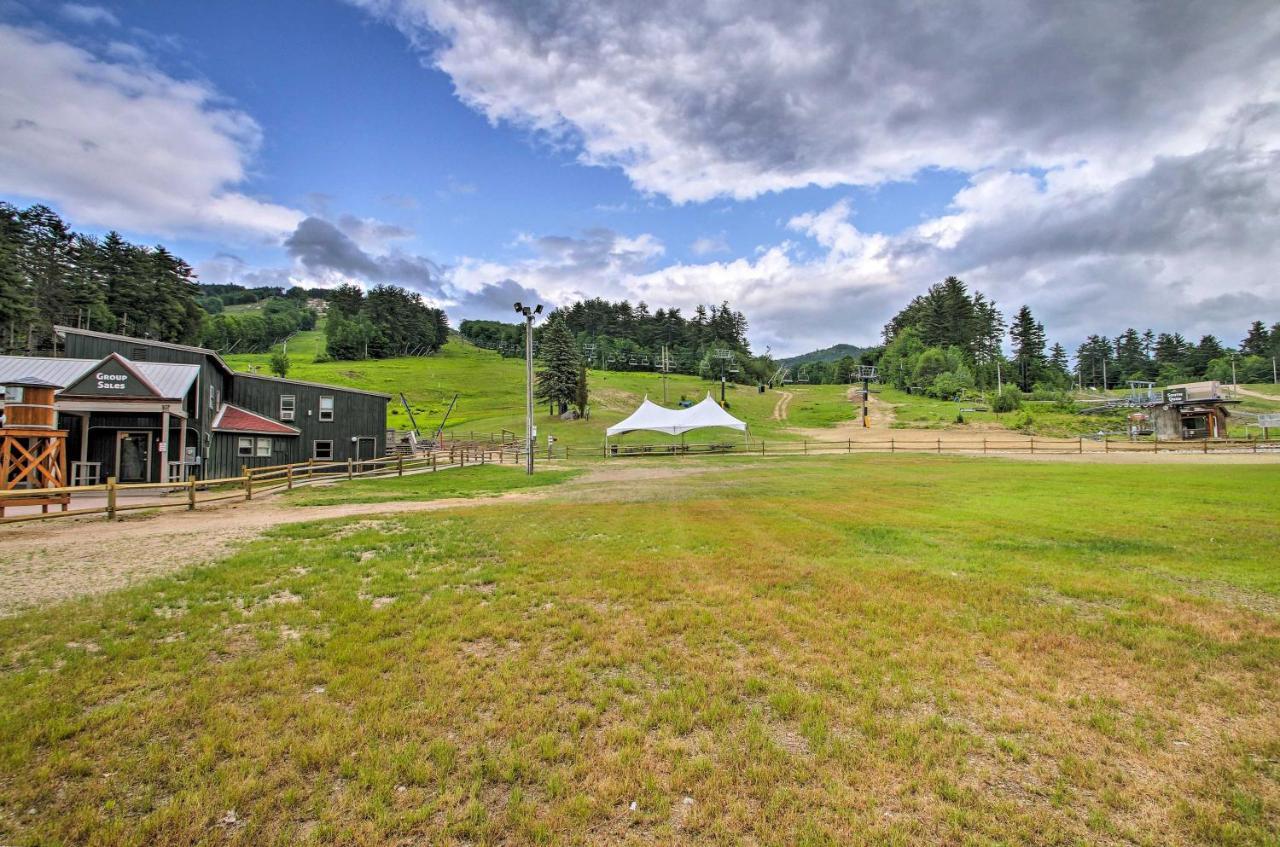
(983,446)
(252,481)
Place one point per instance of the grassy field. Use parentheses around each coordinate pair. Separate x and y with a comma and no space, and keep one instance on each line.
(1035,417)
(491,391)
(860,650)
(473,481)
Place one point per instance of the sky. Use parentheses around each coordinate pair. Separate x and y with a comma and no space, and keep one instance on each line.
(815,163)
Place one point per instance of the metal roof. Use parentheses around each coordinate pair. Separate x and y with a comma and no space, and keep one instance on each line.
(111,336)
(171,381)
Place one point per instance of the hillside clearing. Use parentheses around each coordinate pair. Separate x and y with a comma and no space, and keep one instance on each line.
(978,652)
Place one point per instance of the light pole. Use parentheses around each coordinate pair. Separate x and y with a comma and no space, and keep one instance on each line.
(529,314)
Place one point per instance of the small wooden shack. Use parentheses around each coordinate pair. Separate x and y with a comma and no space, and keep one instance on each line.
(33,451)
(1192,411)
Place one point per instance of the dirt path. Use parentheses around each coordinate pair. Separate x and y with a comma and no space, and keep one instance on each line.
(879,413)
(780,408)
(1257,395)
(44,562)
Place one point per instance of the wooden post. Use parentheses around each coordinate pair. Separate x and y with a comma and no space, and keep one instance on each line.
(806,447)
(939,446)
(1081,448)
(311,468)
(1106,445)
(984,446)
(248,482)
(288,475)
(111,498)
(1033,445)
(433,461)
(191,492)
(462,458)
(848,447)
(892,446)
(1206,446)
(1155,445)
(400,465)
(350,468)
(761,446)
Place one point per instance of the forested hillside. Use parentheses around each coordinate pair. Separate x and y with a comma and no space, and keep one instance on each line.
(621,336)
(50,275)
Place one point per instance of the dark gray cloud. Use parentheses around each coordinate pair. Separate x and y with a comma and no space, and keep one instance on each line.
(321,246)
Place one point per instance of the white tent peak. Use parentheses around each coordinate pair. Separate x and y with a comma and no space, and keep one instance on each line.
(654,418)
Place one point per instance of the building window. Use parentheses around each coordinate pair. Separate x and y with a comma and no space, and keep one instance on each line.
(287,403)
(326,408)
(14,394)
(322,449)
(138,354)
(264,448)
(212,407)
(244,447)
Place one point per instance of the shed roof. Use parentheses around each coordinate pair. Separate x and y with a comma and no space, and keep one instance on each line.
(235,419)
(171,381)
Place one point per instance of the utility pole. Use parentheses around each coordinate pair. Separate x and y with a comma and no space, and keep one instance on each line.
(1104,374)
(999,379)
(1274,381)
(1235,386)
(529,314)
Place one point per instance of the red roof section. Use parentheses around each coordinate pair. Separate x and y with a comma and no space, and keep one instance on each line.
(234,419)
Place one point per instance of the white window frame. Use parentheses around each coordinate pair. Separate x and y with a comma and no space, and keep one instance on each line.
(212,406)
(244,446)
(14,394)
(291,412)
(315,450)
(323,411)
(263,448)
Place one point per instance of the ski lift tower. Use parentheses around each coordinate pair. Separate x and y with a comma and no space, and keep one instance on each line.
(725,357)
(866,373)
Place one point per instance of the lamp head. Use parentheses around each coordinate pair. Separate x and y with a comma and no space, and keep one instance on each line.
(538,310)
(519,308)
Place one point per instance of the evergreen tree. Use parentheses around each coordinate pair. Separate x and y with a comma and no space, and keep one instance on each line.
(1058,359)
(1028,348)
(1257,342)
(557,381)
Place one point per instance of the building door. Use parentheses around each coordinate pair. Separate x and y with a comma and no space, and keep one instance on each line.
(364,449)
(133,457)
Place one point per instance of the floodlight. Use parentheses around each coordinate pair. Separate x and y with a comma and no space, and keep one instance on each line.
(538,310)
(519,307)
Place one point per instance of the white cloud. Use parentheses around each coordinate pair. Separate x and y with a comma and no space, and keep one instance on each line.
(710,244)
(1123,158)
(122,144)
(742,97)
(86,15)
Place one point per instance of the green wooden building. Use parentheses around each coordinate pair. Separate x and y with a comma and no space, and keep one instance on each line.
(148,411)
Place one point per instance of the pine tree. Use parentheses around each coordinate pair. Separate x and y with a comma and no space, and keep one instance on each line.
(1257,342)
(1028,348)
(1058,359)
(557,381)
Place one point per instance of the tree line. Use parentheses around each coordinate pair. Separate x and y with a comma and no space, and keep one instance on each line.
(948,341)
(621,336)
(50,275)
(386,321)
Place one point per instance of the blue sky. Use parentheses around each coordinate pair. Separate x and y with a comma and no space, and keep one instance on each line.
(815,171)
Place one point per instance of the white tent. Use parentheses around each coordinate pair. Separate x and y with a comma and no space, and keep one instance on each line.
(654,418)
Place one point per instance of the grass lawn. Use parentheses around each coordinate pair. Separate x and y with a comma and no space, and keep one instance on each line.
(472,481)
(491,394)
(845,650)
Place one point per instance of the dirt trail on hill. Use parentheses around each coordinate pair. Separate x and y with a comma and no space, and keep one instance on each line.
(780,408)
(1257,395)
(880,414)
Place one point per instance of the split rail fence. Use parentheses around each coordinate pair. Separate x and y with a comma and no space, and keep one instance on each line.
(250,483)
